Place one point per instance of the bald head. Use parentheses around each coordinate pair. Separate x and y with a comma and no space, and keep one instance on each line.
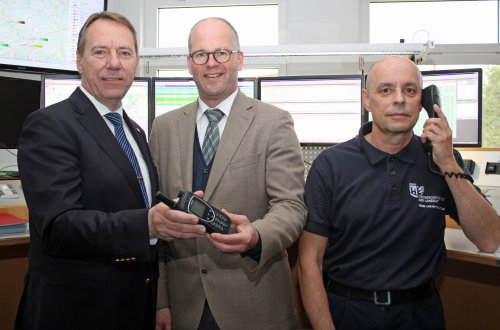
(388,65)
(210,21)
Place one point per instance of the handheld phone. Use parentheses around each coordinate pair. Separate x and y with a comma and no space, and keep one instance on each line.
(430,96)
(210,217)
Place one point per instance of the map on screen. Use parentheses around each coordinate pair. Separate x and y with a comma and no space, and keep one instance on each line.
(43,33)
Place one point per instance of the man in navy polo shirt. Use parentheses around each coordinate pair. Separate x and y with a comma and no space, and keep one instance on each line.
(376,218)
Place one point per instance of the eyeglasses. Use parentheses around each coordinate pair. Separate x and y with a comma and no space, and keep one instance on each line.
(220,55)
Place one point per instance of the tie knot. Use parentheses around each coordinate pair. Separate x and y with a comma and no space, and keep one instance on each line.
(214,115)
(115,118)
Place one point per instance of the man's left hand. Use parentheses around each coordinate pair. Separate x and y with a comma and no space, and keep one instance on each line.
(439,133)
(245,238)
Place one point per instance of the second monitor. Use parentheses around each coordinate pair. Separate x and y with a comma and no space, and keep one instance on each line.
(325,109)
(173,93)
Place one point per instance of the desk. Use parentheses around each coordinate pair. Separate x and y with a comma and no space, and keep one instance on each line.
(469,285)
(14,249)
(460,248)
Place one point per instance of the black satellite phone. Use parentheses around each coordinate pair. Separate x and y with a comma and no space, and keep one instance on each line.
(210,217)
(430,96)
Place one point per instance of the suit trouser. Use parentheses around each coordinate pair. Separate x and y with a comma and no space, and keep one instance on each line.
(207,321)
(348,313)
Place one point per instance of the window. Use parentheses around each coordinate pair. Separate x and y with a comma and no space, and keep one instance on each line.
(174,23)
(444,22)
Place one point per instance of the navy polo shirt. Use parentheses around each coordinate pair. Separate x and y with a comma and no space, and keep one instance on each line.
(384,215)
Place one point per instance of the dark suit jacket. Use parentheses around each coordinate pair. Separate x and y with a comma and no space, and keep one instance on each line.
(91,265)
(257,171)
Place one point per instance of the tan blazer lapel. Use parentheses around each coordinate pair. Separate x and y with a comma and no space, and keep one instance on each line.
(238,122)
(186,127)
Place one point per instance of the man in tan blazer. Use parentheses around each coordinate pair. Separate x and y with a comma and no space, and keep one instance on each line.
(240,280)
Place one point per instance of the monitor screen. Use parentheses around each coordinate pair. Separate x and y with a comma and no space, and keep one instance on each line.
(325,109)
(42,35)
(461,101)
(173,93)
(136,102)
(19,98)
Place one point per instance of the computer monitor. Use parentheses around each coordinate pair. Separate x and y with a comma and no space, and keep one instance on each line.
(325,109)
(461,101)
(56,88)
(173,93)
(136,102)
(19,98)
(42,35)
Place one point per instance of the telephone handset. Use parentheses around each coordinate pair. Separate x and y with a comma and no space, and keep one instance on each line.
(430,96)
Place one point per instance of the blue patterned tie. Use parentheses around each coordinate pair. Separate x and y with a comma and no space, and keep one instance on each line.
(212,136)
(116,120)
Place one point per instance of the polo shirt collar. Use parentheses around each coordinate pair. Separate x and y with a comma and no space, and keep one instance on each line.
(374,155)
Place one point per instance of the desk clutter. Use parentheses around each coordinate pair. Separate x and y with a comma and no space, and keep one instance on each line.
(7,191)
(10,224)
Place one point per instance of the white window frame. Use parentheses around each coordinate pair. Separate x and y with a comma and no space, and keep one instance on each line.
(150,22)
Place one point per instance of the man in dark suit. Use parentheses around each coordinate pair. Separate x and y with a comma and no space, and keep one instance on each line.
(93,259)
(241,280)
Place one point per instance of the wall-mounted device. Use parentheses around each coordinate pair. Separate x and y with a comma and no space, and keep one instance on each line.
(492,168)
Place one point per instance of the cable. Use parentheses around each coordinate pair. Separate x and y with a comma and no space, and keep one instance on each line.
(430,162)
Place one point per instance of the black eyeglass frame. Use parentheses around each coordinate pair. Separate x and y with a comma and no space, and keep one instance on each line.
(230,52)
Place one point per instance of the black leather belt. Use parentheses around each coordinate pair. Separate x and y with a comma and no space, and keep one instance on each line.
(384,297)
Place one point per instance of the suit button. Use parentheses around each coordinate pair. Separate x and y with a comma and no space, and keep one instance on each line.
(148,280)
(204,272)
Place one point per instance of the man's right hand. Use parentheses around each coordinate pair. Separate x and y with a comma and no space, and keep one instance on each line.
(168,224)
(163,319)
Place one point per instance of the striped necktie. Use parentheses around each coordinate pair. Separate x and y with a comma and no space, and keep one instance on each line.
(212,136)
(116,120)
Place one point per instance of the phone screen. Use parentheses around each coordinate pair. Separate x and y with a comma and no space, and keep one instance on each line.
(198,208)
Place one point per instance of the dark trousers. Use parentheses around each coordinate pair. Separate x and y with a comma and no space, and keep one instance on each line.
(348,313)
(207,321)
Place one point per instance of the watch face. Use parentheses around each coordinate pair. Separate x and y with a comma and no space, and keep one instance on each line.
(198,208)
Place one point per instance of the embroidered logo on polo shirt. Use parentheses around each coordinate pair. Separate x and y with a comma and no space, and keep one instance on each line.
(424,201)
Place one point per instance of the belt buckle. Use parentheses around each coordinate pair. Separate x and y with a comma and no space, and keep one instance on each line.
(387,301)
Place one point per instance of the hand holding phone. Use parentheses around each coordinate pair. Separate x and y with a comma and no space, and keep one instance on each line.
(210,217)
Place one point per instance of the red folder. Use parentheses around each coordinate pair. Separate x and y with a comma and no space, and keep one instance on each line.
(11,224)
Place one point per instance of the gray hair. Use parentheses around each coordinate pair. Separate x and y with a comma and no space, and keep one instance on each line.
(105,15)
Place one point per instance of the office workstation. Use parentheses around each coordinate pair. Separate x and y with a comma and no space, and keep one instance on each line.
(318,78)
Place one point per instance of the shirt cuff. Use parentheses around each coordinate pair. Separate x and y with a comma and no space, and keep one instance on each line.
(255,252)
